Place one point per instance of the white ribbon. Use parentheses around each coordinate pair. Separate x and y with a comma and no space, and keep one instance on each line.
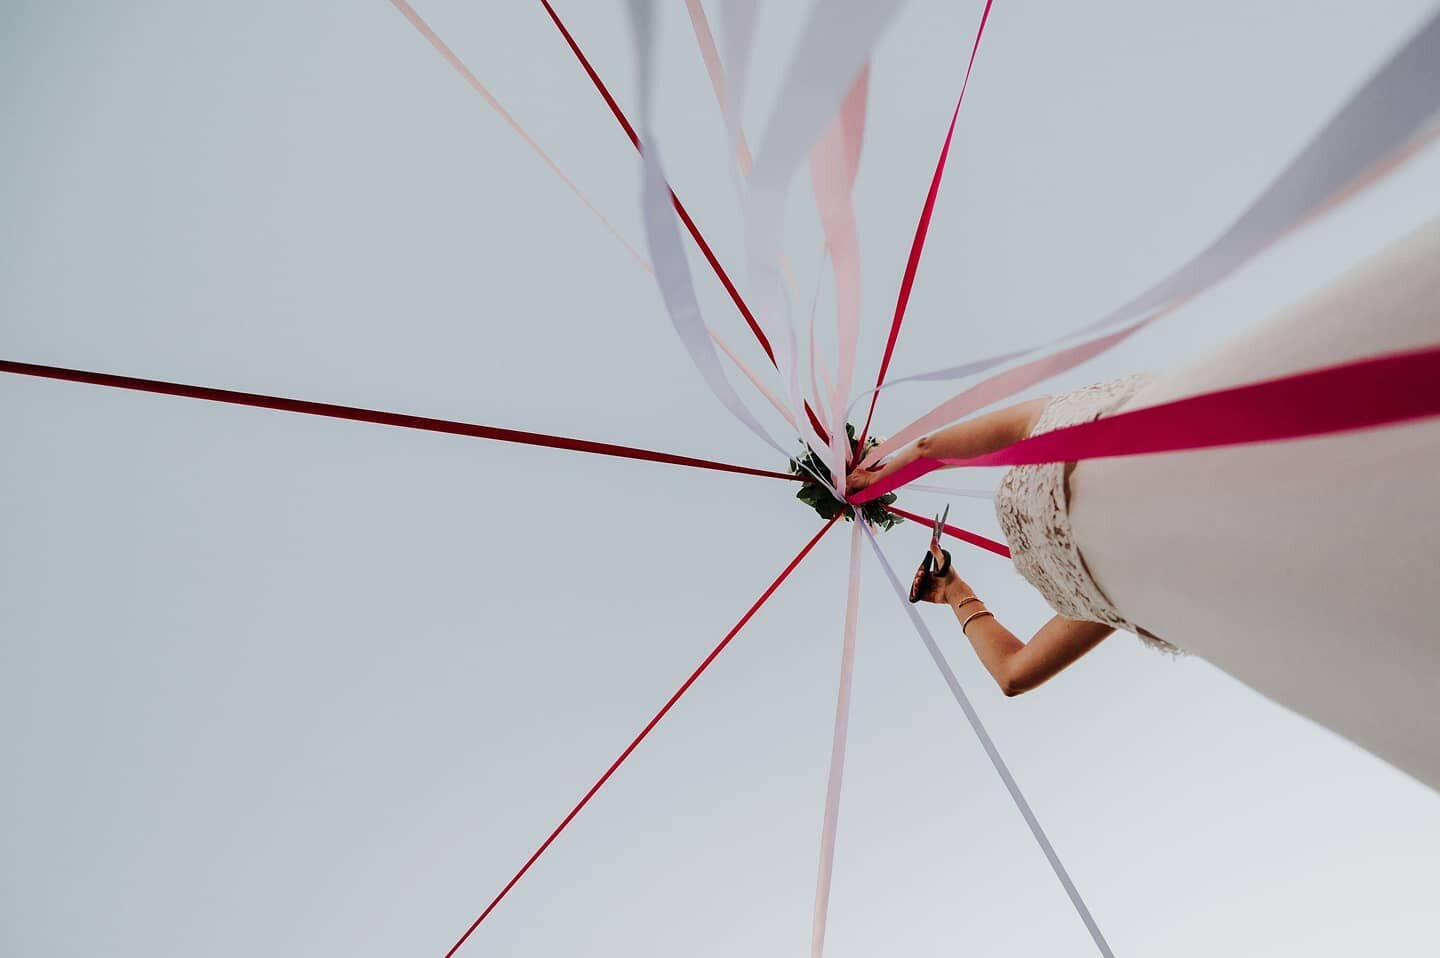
(991,751)
(948,491)
(672,271)
(737,28)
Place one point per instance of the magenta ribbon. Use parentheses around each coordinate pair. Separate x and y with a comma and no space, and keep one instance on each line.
(1378,391)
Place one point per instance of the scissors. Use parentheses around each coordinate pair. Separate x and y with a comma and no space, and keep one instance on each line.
(939,531)
(936,532)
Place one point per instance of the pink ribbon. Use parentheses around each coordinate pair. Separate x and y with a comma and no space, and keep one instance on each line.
(1378,391)
(419,24)
(708,52)
(998,387)
(837,753)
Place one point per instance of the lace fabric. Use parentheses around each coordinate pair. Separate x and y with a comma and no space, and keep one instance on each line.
(1033,505)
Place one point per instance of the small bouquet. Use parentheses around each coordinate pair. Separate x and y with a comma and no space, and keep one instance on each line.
(820,497)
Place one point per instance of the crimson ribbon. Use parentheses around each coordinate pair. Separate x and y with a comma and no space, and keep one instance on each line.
(974,538)
(356,414)
(634,743)
(922,230)
(1377,391)
(684,214)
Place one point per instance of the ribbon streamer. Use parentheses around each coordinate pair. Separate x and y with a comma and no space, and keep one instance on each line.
(922,230)
(1377,391)
(992,752)
(444,50)
(948,491)
(737,20)
(834,163)
(672,273)
(644,732)
(356,414)
(1000,386)
(974,538)
(835,45)
(1381,125)
(713,68)
(700,25)
(837,753)
(685,218)
(450,57)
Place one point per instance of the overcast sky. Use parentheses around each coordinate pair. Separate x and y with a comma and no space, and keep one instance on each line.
(275,685)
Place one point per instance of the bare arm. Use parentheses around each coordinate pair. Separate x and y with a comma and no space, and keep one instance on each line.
(1016,666)
(1021,666)
(973,437)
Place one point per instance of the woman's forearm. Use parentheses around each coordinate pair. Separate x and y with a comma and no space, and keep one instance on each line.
(983,434)
(973,437)
(1020,666)
(995,646)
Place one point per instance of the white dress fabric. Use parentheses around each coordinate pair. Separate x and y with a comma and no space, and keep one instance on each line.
(1305,569)
(1032,504)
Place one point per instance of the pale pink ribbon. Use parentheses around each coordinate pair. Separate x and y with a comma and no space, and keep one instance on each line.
(755,380)
(999,387)
(469,77)
(715,70)
(834,162)
(419,24)
(706,39)
(837,752)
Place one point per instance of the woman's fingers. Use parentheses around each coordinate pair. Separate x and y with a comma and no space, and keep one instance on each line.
(920,586)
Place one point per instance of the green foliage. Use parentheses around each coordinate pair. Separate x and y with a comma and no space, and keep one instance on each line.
(823,501)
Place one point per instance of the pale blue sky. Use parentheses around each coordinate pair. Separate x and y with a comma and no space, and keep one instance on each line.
(277,685)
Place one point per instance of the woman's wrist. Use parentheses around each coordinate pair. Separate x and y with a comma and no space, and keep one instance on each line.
(958,593)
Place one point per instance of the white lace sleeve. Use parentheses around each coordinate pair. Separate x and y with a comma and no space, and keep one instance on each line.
(1032,504)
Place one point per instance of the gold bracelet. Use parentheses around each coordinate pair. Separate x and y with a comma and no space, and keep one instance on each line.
(967,600)
(973,617)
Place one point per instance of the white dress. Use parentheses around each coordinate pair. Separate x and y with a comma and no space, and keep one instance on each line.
(1305,569)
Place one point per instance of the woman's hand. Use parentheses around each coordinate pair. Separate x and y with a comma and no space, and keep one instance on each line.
(930,587)
(863,478)
(859,480)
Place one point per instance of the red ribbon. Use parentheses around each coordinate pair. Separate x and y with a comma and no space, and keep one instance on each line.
(401,420)
(1378,391)
(975,539)
(922,230)
(715,652)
